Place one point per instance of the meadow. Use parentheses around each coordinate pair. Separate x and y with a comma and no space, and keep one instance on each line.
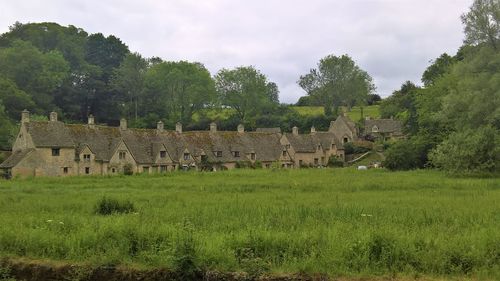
(339,222)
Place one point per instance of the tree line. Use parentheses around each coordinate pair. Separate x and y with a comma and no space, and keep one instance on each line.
(48,67)
(453,120)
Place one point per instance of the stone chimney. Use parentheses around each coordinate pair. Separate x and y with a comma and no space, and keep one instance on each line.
(91,121)
(178,127)
(295,130)
(241,128)
(123,124)
(25,116)
(53,116)
(313,130)
(345,114)
(368,118)
(159,126)
(213,127)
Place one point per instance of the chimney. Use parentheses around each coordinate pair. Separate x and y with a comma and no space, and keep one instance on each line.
(345,114)
(53,116)
(25,116)
(295,130)
(159,126)
(241,128)
(178,127)
(91,121)
(368,118)
(313,130)
(213,127)
(123,124)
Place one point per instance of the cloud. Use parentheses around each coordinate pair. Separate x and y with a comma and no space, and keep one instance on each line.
(393,40)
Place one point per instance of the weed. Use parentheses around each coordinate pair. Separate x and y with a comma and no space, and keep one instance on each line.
(109,206)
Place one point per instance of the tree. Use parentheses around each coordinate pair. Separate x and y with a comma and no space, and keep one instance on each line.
(177,90)
(401,105)
(37,74)
(482,23)
(338,81)
(128,79)
(437,69)
(247,91)
(14,99)
(373,99)
(6,128)
(469,151)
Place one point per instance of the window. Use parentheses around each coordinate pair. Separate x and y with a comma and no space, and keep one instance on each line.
(236,154)
(316,161)
(163,169)
(56,151)
(218,153)
(163,154)
(284,153)
(65,170)
(301,162)
(346,140)
(287,146)
(113,170)
(86,157)
(87,170)
(322,160)
(252,156)
(283,165)
(333,145)
(186,156)
(319,147)
(268,165)
(122,154)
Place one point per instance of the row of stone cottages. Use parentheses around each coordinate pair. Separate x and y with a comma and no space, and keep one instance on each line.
(53,148)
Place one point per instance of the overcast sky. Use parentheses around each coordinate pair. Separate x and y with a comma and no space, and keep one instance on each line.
(393,40)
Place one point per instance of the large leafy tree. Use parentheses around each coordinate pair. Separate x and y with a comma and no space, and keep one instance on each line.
(37,74)
(128,79)
(482,23)
(337,81)
(247,91)
(177,90)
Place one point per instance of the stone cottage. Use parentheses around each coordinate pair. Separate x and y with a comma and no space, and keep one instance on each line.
(53,148)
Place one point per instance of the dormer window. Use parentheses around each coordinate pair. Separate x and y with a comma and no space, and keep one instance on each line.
(284,153)
(86,157)
(333,145)
(122,155)
(218,153)
(56,151)
(163,154)
(346,139)
(319,147)
(375,129)
(236,153)
(287,146)
(186,156)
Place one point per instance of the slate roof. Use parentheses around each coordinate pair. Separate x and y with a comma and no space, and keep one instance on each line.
(302,143)
(49,134)
(326,139)
(384,126)
(15,158)
(269,130)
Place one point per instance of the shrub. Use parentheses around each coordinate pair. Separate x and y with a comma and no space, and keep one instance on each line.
(469,151)
(334,161)
(109,206)
(357,148)
(128,170)
(407,154)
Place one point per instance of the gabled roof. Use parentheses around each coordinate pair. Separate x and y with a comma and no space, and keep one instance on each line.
(327,138)
(302,143)
(15,158)
(49,134)
(384,125)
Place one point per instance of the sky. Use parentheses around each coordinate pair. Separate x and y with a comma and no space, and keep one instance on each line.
(393,40)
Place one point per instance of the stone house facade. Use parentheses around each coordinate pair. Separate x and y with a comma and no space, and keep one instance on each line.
(383,129)
(53,148)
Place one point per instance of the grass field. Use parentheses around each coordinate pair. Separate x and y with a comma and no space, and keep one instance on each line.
(341,222)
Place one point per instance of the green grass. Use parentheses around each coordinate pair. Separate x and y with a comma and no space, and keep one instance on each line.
(334,221)
(371,110)
(309,110)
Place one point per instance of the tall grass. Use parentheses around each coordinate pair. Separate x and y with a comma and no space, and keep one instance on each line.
(338,222)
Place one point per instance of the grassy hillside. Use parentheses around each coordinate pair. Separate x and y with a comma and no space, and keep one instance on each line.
(354,114)
(339,222)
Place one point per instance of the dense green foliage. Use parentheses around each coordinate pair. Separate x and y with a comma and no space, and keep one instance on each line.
(335,221)
(337,81)
(457,112)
